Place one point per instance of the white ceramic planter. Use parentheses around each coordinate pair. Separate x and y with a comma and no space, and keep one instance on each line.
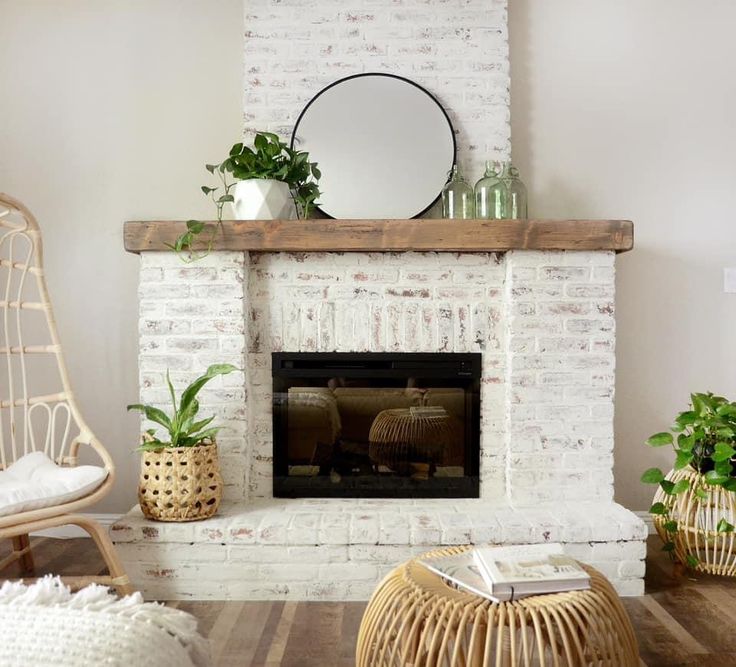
(262,199)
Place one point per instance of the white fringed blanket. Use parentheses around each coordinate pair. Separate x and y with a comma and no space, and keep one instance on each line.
(45,624)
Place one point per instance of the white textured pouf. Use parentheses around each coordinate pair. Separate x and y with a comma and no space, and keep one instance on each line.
(45,624)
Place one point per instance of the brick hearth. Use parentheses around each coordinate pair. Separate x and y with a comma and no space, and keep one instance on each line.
(339,549)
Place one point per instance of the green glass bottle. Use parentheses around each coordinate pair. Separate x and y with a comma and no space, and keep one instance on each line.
(457,198)
(516,199)
(490,195)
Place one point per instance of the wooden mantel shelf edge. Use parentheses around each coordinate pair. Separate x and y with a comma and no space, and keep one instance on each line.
(423,234)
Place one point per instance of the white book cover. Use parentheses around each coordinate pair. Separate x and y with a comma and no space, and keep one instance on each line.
(461,570)
(534,568)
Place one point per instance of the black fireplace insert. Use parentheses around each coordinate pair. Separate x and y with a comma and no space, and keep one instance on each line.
(376,425)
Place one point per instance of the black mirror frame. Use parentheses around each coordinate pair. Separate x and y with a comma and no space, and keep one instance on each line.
(392,76)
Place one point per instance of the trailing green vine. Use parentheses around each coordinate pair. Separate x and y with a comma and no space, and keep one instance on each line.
(220,195)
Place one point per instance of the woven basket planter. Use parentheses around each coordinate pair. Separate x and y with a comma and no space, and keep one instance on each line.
(180,483)
(697,519)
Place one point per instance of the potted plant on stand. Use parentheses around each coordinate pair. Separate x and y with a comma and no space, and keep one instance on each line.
(694,506)
(180,473)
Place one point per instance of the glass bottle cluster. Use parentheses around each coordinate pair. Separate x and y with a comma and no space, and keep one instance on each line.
(499,195)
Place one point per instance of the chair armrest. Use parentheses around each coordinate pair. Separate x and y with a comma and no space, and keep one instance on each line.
(89,440)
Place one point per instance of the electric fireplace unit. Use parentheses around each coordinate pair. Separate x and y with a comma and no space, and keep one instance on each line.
(376,425)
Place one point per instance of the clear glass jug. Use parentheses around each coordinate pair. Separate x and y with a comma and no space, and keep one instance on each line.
(490,195)
(516,196)
(457,197)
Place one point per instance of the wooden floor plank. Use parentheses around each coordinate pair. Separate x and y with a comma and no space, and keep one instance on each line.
(223,628)
(351,617)
(315,637)
(206,612)
(693,612)
(685,640)
(281,634)
(251,630)
(721,599)
(658,647)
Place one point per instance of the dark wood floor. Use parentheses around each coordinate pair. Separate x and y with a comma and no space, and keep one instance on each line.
(681,621)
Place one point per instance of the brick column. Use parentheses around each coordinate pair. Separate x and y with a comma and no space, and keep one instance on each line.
(560,334)
(192,316)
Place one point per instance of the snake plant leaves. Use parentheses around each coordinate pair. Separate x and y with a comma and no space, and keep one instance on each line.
(152,414)
(195,387)
(182,429)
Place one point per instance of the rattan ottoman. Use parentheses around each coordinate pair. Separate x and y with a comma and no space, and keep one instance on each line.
(415,619)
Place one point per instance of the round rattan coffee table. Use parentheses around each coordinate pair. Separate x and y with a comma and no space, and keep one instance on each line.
(415,618)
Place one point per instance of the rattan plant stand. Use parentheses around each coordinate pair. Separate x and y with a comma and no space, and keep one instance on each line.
(415,618)
(697,524)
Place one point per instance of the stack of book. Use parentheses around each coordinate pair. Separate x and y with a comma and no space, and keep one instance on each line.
(513,572)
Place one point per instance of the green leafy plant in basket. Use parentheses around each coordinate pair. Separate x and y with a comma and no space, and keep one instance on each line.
(704,441)
(269,158)
(182,426)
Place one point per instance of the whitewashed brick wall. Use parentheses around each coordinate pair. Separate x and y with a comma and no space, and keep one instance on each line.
(544,323)
(456,49)
(560,359)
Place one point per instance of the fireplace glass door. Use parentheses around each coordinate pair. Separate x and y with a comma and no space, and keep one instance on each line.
(376,425)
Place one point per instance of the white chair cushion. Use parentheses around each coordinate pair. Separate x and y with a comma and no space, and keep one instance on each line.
(35,481)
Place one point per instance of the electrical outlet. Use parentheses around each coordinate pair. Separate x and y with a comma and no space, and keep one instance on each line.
(729,280)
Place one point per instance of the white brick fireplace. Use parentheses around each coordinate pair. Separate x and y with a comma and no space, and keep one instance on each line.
(544,323)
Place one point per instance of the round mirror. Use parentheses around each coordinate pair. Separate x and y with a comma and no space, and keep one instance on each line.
(384,146)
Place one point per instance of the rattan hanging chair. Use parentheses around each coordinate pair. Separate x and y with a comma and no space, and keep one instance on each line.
(38,411)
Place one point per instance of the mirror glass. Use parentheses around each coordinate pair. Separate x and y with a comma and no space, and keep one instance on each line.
(384,146)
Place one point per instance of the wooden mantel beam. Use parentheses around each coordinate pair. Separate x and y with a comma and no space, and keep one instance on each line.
(322,235)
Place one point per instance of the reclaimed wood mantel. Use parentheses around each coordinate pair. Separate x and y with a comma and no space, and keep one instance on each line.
(323,235)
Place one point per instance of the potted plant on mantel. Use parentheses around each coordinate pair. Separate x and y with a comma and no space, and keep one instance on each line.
(694,506)
(267,182)
(180,474)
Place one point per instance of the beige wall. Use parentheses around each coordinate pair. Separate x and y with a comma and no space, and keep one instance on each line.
(109,111)
(625,108)
(621,108)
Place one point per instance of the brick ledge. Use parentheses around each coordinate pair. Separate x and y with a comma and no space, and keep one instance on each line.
(388,522)
(340,550)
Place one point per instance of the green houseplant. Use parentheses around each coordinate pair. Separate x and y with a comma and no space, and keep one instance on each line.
(268,180)
(694,507)
(180,474)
